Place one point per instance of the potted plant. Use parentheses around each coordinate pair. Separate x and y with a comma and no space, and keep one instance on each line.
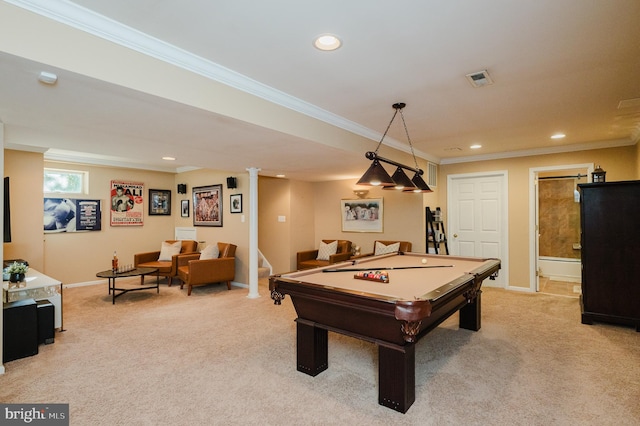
(16,272)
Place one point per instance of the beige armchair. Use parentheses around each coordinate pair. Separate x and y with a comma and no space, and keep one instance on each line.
(308,259)
(405,246)
(166,268)
(192,271)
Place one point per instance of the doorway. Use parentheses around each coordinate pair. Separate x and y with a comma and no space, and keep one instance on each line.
(555,228)
(478,218)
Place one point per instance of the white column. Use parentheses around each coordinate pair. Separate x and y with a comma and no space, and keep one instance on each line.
(253,233)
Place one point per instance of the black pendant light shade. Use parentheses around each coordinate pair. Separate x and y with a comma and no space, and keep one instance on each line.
(419,185)
(376,175)
(403,183)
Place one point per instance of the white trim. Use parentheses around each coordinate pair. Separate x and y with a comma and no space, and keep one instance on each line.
(504,256)
(533,176)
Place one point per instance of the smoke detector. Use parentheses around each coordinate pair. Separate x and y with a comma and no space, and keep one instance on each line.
(479,79)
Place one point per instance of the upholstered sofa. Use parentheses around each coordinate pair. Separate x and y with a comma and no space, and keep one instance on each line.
(192,270)
(309,259)
(166,268)
(404,246)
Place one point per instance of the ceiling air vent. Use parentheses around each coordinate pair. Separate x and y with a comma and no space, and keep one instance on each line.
(479,79)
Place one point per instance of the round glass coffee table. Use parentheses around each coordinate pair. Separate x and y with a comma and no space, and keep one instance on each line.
(111,276)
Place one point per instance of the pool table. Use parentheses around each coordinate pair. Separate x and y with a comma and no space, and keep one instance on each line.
(422,291)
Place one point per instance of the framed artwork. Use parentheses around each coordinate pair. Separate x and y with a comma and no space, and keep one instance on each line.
(71,215)
(207,205)
(362,215)
(236,203)
(184,208)
(159,202)
(126,203)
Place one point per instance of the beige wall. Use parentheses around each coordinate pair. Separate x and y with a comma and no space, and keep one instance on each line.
(76,257)
(619,163)
(403,215)
(311,212)
(274,237)
(233,229)
(25,171)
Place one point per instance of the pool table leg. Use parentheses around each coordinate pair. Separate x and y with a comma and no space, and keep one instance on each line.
(312,352)
(470,314)
(397,376)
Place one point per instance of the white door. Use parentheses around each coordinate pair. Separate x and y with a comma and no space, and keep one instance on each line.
(478,223)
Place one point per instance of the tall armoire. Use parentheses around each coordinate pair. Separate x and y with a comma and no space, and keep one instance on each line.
(610,225)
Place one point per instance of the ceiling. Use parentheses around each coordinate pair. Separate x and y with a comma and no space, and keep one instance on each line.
(556,65)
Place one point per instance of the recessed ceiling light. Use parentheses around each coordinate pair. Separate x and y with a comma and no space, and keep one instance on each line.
(279,176)
(327,42)
(558,136)
(169,158)
(476,146)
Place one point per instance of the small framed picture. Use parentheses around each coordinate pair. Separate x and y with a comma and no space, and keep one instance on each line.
(362,215)
(159,202)
(184,208)
(236,203)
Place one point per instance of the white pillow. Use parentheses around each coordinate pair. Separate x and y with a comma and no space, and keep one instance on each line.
(382,249)
(210,252)
(168,250)
(325,250)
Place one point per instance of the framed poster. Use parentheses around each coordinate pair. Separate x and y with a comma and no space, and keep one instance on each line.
(67,215)
(362,215)
(236,203)
(159,202)
(207,205)
(127,203)
(184,208)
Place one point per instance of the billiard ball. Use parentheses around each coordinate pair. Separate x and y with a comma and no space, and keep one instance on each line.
(424,260)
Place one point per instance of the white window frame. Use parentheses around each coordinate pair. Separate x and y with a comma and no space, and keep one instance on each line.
(83,174)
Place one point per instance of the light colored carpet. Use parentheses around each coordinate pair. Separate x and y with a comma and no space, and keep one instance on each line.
(218,358)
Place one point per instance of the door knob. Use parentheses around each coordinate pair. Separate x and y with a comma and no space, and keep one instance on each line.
(455,235)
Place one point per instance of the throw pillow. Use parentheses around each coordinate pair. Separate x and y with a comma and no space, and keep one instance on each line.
(325,250)
(168,250)
(382,249)
(210,252)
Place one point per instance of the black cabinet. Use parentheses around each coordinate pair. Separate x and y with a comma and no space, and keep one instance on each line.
(610,238)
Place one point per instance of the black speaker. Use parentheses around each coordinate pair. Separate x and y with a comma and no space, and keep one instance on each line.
(46,322)
(20,337)
(182,188)
(232,182)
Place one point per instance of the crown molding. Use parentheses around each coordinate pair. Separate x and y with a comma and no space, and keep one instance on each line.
(62,156)
(541,151)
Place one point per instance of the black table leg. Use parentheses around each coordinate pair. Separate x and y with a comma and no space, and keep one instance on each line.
(470,315)
(312,353)
(397,376)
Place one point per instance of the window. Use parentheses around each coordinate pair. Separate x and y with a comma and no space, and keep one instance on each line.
(65,181)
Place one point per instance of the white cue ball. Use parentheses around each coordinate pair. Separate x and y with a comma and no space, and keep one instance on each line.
(424,260)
